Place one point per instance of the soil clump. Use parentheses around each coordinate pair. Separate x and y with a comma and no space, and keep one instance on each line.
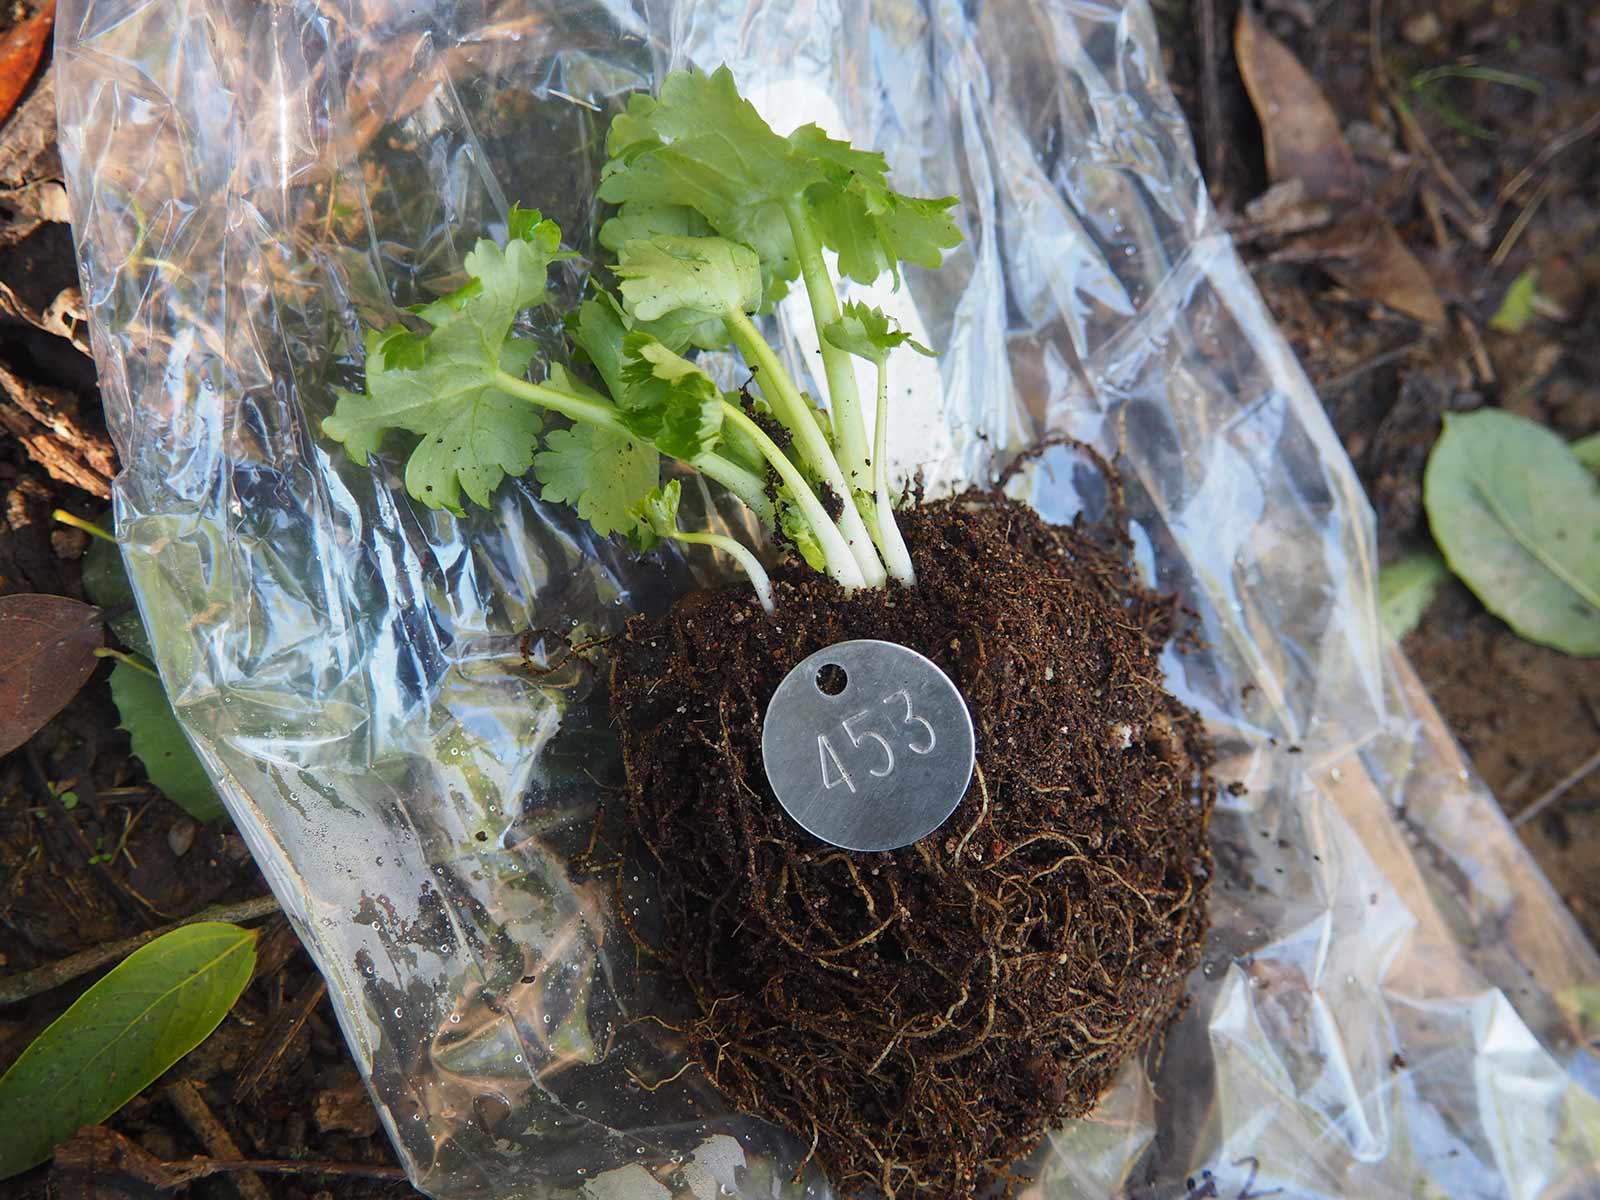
(921,1017)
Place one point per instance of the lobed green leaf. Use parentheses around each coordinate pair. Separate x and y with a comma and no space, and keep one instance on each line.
(869,333)
(599,473)
(704,278)
(441,384)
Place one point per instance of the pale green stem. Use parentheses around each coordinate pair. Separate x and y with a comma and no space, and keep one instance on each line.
(842,565)
(744,484)
(88,527)
(751,564)
(849,423)
(790,408)
(136,663)
(895,555)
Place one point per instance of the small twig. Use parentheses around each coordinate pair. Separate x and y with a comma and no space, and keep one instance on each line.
(1480,356)
(187,1171)
(214,1136)
(1344,380)
(268,1058)
(1418,142)
(1210,101)
(1518,181)
(1521,223)
(1583,771)
(1435,214)
(16,988)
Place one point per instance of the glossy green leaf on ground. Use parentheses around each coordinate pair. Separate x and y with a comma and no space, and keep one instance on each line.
(1517,517)
(121,1035)
(160,744)
(1406,587)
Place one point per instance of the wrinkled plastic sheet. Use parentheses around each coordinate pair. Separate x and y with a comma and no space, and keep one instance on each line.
(1392,1003)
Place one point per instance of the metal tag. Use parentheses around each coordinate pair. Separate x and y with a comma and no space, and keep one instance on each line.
(881,763)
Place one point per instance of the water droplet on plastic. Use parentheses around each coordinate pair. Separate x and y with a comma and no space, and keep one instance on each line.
(518,1058)
(397,1012)
(455,1018)
(547,1018)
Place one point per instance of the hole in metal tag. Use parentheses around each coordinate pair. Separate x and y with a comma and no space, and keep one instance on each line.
(868,745)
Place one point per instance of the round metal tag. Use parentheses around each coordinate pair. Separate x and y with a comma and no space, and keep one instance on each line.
(868,745)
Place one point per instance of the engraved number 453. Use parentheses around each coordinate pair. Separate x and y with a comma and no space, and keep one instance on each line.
(834,771)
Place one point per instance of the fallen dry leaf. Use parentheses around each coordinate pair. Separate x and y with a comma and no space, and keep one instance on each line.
(1304,143)
(21,48)
(47,646)
(1298,125)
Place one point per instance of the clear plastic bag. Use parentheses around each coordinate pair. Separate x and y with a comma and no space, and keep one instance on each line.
(1393,1002)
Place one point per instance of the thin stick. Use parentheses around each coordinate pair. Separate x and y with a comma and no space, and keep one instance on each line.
(187,1171)
(1210,100)
(16,988)
(214,1136)
(1521,223)
(1554,148)
(1418,141)
(1555,793)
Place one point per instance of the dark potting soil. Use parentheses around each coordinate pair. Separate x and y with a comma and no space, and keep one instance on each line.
(921,1017)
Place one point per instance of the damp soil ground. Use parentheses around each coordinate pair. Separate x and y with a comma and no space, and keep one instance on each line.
(1528,717)
(920,1017)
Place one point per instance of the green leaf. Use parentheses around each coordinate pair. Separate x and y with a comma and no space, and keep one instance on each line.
(796,530)
(105,582)
(120,1036)
(872,227)
(1516,309)
(1587,449)
(1406,587)
(442,384)
(703,277)
(656,515)
(702,145)
(1517,517)
(159,742)
(868,333)
(705,147)
(668,399)
(597,329)
(600,474)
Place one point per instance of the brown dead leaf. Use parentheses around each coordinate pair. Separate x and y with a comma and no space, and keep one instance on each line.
(47,646)
(1304,143)
(1298,125)
(20,51)
(1365,254)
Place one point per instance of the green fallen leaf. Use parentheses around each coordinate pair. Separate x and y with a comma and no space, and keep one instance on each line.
(159,742)
(1588,451)
(121,1035)
(1406,587)
(1516,309)
(1517,517)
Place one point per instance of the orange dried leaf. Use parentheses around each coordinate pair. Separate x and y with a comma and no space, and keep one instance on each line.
(21,49)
